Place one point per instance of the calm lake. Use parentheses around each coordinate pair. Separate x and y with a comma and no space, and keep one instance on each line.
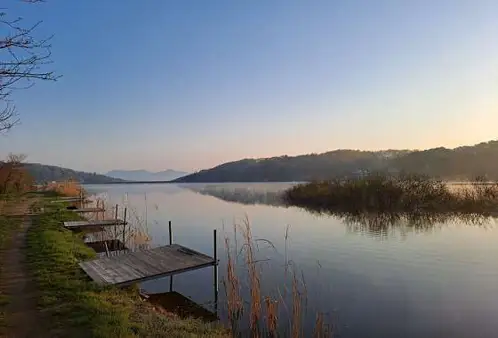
(438,280)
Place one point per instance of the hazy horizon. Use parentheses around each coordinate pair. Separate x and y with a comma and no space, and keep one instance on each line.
(242,158)
(169,85)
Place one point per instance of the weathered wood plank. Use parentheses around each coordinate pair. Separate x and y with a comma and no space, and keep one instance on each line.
(70,200)
(145,264)
(93,274)
(95,223)
(86,210)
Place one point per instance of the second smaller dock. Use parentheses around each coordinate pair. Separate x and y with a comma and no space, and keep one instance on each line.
(87,210)
(70,200)
(79,225)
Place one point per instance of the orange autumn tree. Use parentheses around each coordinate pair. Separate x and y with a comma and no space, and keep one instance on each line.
(14,178)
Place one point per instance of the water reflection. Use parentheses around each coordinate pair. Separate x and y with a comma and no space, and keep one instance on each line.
(175,302)
(385,223)
(248,194)
(372,223)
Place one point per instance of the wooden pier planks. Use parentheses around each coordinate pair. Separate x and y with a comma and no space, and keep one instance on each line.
(79,225)
(87,210)
(143,265)
(69,199)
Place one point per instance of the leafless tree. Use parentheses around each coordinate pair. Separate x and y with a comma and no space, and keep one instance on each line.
(23,58)
(16,159)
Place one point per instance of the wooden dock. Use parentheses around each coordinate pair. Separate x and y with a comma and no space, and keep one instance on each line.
(144,265)
(70,200)
(108,248)
(87,210)
(80,225)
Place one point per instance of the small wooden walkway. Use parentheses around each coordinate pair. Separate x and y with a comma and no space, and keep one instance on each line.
(144,265)
(70,200)
(87,210)
(79,225)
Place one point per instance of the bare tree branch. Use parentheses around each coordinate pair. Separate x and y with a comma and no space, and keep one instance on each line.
(23,58)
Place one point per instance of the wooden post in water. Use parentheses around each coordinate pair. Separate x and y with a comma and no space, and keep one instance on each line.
(116,219)
(170,234)
(96,214)
(106,248)
(124,229)
(170,242)
(215,271)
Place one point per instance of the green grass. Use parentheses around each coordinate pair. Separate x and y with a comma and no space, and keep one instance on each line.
(76,307)
(7,227)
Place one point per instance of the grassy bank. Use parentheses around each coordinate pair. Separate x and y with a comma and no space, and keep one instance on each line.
(382,193)
(7,227)
(77,307)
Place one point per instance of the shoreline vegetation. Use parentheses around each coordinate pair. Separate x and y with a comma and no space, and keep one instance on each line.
(77,307)
(80,308)
(404,194)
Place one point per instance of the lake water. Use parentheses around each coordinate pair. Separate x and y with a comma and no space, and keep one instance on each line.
(428,281)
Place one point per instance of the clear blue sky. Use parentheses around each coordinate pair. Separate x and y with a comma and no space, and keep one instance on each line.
(190,84)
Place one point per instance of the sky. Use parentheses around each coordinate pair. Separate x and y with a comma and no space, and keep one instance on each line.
(191,84)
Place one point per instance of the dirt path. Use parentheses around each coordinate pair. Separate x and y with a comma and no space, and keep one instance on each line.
(21,312)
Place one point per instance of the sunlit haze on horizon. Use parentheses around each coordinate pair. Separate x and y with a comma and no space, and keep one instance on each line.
(190,85)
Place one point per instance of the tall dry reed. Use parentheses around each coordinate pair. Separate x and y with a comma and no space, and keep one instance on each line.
(261,312)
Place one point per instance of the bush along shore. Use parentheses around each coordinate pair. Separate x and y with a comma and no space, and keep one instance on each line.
(383,193)
(79,308)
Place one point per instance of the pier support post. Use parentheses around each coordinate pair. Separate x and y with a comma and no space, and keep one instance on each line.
(170,233)
(215,270)
(116,219)
(124,228)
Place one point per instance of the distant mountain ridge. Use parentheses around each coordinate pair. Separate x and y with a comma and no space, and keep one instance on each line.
(144,175)
(42,173)
(465,162)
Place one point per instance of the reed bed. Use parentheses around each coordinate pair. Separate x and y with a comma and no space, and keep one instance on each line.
(384,193)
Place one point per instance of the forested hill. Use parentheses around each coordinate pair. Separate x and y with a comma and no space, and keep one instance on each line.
(451,164)
(297,168)
(47,173)
(459,163)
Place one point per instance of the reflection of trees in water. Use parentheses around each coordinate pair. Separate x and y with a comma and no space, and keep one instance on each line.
(384,223)
(373,223)
(241,195)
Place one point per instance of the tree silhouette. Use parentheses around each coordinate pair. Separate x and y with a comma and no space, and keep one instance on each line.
(23,58)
